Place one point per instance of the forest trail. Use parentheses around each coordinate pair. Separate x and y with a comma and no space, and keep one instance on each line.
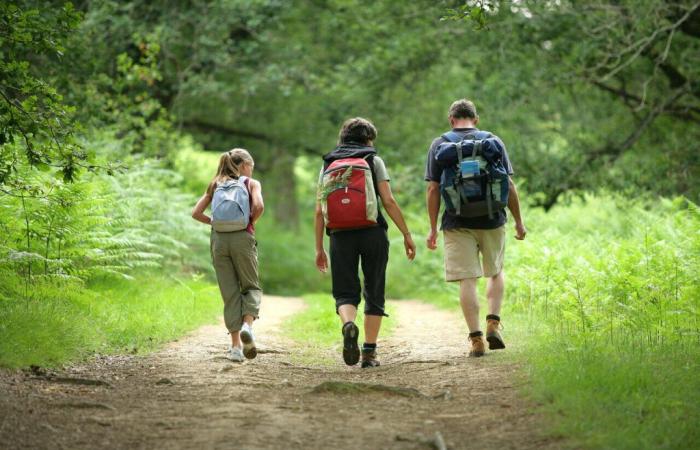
(187,396)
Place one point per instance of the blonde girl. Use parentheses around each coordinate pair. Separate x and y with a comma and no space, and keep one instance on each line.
(234,253)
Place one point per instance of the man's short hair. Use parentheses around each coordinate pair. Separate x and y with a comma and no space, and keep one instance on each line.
(463,109)
(357,130)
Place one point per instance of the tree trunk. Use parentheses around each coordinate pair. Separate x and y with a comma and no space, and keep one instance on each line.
(283,194)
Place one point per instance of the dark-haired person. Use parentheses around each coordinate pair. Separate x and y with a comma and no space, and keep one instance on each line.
(362,242)
(468,237)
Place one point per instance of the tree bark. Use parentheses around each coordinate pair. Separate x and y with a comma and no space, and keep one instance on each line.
(282,185)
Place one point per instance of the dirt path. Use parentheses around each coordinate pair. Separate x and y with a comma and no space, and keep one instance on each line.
(188,396)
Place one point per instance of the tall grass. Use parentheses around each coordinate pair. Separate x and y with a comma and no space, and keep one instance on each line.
(67,322)
(74,258)
(609,289)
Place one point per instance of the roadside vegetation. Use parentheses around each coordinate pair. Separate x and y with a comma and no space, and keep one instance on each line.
(106,109)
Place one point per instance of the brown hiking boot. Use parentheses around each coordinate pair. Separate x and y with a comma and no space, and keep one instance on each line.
(492,334)
(478,346)
(369,358)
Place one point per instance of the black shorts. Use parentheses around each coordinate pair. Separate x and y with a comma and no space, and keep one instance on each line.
(369,247)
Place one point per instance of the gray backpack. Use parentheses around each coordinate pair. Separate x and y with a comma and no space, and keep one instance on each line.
(230,206)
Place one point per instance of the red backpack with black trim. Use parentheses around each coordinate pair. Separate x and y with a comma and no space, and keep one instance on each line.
(347,191)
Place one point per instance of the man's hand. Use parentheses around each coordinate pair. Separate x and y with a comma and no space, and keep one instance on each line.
(431,241)
(409,246)
(520,231)
(322,260)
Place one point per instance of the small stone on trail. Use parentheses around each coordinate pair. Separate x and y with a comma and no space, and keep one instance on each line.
(436,441)
(446,395)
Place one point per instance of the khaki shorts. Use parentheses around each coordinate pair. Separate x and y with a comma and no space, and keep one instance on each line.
(462,248)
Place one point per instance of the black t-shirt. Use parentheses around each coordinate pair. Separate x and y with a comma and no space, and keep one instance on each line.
(433,171)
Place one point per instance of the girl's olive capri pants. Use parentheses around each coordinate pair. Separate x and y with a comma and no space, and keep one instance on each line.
(235,258)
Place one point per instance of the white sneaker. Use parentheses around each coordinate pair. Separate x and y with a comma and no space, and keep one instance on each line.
(248,340)
(234,354)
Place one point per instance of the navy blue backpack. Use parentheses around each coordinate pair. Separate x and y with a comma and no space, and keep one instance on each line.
(474,181)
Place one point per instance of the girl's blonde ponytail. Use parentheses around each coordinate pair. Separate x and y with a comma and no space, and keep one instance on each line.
(230,164)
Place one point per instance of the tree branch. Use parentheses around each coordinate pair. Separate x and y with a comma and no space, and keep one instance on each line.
(223,129)
(610,149)
(679,111)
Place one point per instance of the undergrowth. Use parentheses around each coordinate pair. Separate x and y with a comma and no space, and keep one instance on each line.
(68,322)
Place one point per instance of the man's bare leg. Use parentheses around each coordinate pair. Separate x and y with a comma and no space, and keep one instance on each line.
(495,287)
(469,300)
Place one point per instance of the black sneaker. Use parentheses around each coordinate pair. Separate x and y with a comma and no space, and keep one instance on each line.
(351,352)
(369,358)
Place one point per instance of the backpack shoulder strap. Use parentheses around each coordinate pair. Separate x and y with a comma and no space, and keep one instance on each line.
(455,137)
(246,182)
(370,162)
(452,136)
(480,134)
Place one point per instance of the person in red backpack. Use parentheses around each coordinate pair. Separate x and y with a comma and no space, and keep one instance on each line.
(352,180)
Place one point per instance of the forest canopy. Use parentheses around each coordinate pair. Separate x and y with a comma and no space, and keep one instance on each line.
(587,95)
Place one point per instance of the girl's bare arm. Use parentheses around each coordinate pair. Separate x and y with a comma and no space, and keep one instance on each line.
(200,207)
(258,206)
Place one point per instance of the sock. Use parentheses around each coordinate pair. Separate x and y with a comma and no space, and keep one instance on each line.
(366,347)
(476,334)
(493,317)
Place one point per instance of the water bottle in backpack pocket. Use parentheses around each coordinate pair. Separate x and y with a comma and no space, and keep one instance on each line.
(230,206)
(471,181)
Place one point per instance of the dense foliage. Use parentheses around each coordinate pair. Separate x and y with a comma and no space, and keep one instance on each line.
(105,108)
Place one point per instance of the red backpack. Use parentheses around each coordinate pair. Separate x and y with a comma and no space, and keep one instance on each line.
(348,195)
